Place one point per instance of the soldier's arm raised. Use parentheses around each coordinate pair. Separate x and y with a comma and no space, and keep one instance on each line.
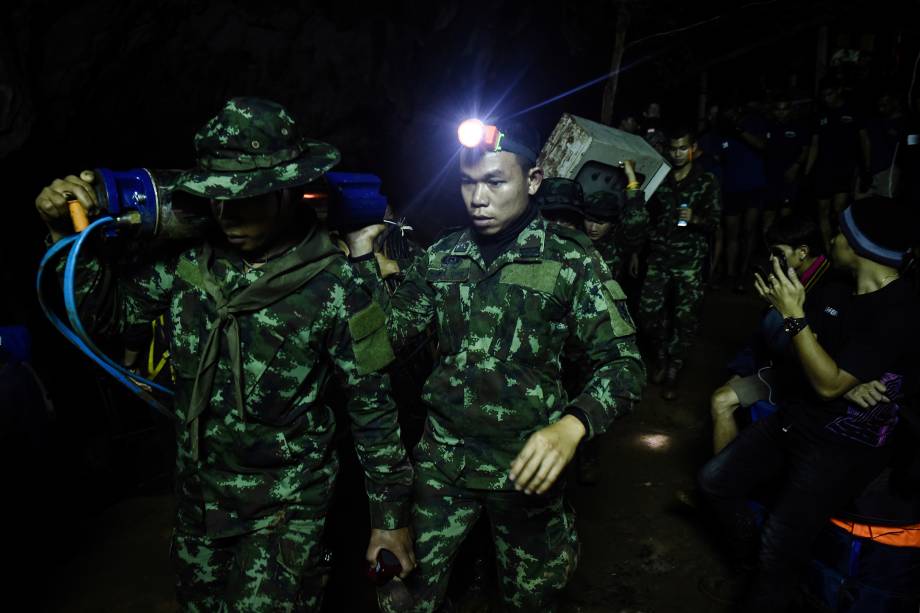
(410,310)
(633,227)
(113,295)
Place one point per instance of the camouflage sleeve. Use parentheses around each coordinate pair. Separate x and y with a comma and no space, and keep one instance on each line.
(111,300)
(633,225)
(708,213)
(369,271)
(410,309)
(604,334)
(359,348)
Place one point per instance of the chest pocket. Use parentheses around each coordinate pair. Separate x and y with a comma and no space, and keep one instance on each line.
(531,318)
(450,278)
(278,358)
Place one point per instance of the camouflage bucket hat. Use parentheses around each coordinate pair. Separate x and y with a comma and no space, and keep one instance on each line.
(558,194)
(603,206)
(253,147)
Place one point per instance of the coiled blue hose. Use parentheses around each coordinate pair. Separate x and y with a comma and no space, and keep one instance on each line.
(78,336)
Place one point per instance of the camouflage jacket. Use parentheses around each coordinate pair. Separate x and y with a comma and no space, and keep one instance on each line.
(687,244)
(627,234)
(502,331)
(276,459)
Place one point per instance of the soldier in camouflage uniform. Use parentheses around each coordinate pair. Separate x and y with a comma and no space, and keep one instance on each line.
(258,320)
(561,201)
(507,295)
(616,222)
(684,213)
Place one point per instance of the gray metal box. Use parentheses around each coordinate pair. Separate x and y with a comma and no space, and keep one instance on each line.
(580,149)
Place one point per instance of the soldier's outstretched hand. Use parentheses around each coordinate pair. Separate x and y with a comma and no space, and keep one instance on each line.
(544,456)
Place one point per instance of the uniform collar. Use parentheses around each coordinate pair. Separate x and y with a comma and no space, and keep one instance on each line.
(695,171)
(527,247)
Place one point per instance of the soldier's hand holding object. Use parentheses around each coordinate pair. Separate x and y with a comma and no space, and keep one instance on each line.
(52,202)
(361,242)
(399,542)
(546,453)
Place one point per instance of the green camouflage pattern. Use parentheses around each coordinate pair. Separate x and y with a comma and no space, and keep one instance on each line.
(686,286)
(415,358)
(558,194)
(536,544)
(501,332)
(674,244)
(260,481)
(253,147)
(276,457)
(274,569)
(627,234)
(675,262)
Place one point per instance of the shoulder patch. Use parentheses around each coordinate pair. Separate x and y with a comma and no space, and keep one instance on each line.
(620,318)
(369,339)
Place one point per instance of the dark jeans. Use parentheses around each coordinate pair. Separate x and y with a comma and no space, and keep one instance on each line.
(813,476)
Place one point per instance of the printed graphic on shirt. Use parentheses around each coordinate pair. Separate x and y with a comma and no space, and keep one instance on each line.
(872,426)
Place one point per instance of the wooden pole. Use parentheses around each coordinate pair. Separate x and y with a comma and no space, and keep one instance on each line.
(619,46)
(820,59)
(703,101)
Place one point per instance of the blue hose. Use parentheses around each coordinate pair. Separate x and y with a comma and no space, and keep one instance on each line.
(70,303)
(121,374)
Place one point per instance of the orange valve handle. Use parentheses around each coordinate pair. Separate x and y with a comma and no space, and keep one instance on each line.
(78,215)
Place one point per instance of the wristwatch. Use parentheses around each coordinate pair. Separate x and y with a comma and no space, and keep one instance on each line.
(794,325)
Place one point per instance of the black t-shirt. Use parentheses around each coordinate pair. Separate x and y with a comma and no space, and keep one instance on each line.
(490,247)
(884,134)
(871,336)
(838,135)
(784,144)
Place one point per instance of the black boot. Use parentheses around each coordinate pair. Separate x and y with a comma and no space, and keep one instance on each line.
(661,367)
(670,381)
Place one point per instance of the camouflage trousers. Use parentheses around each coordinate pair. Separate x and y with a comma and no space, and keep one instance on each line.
(276,569)
(535,543)
(684,284)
